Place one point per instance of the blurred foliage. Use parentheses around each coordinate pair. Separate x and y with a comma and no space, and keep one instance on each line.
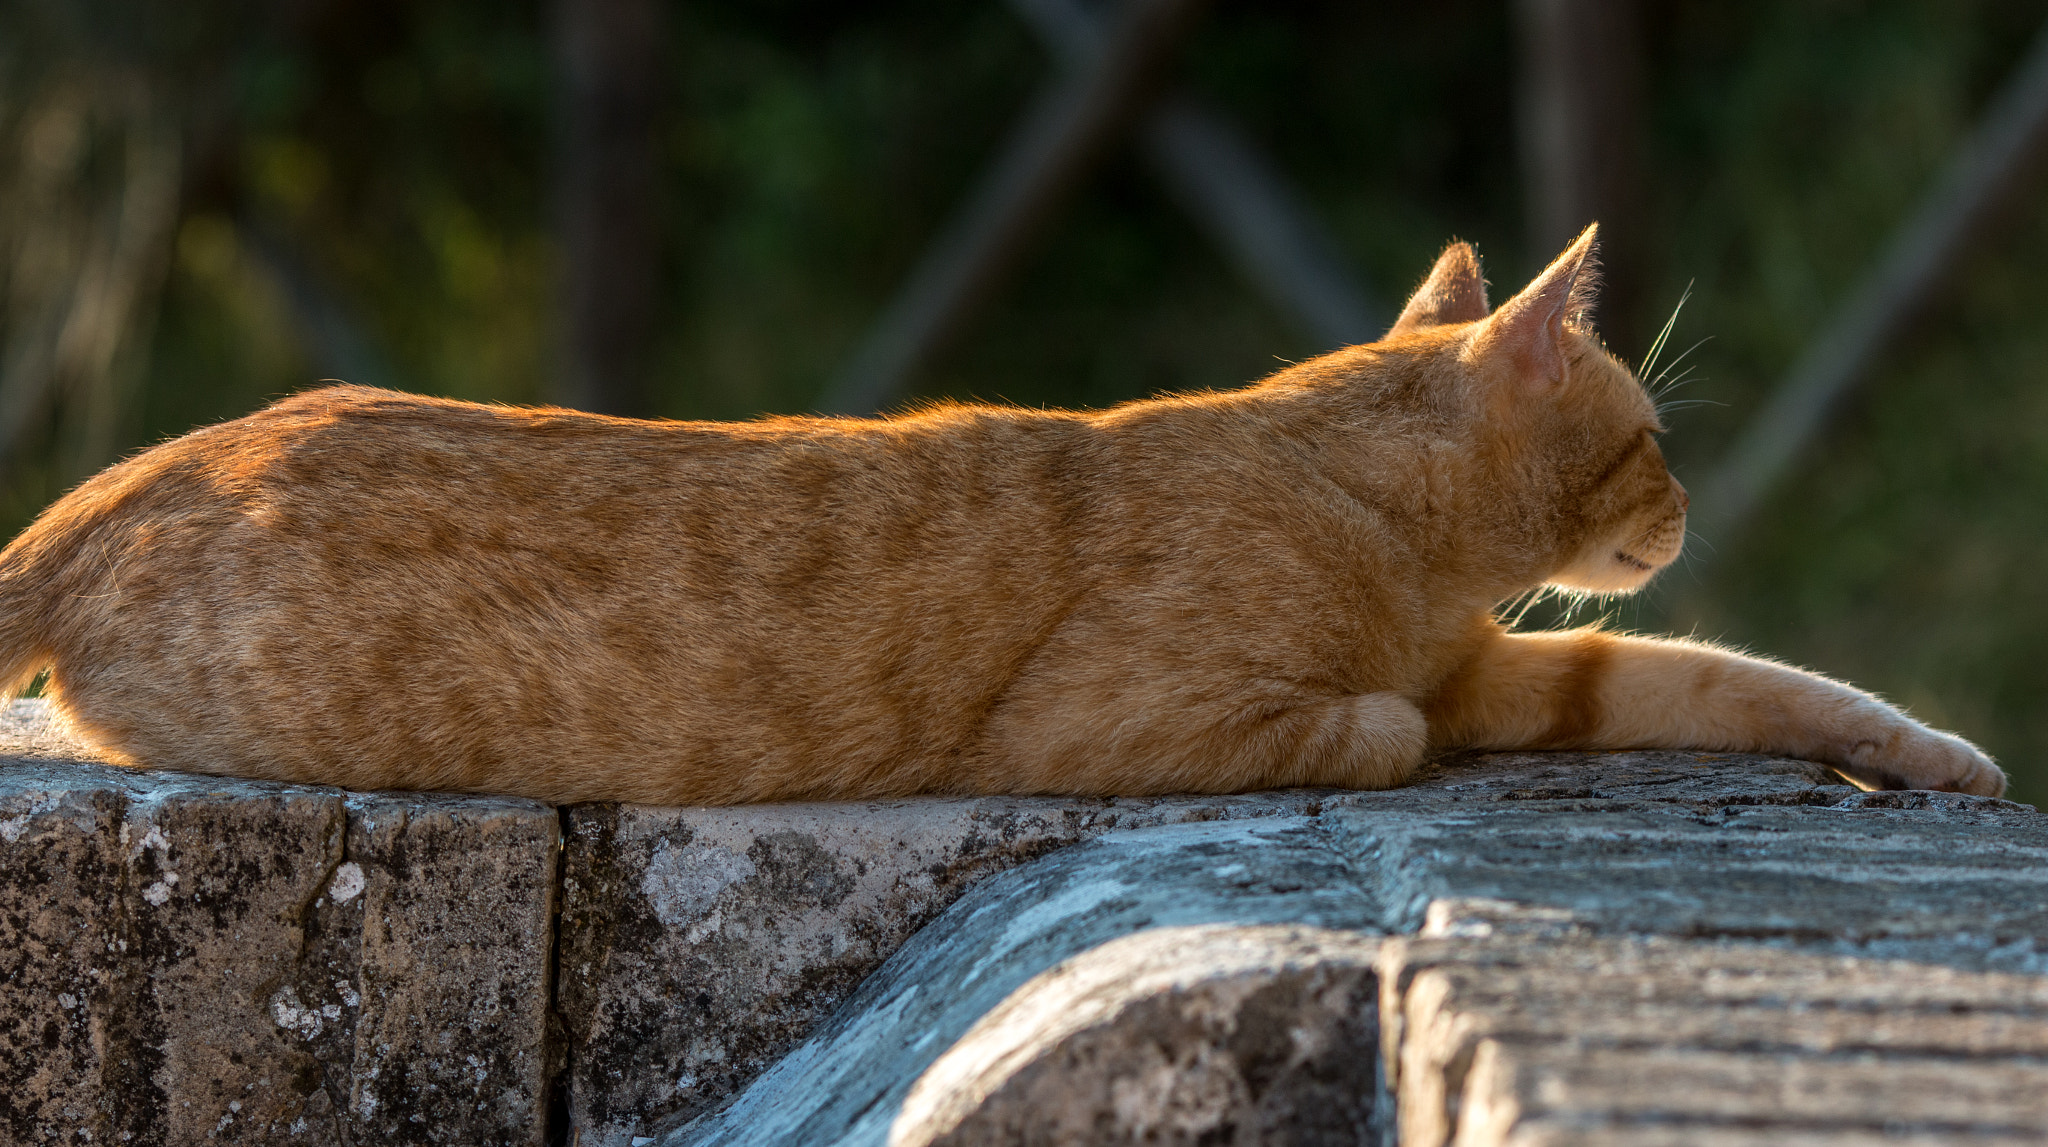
(364,194)
(1902,554)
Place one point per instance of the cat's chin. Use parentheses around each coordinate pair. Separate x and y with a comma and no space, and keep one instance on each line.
(1609,574)
(1618,567)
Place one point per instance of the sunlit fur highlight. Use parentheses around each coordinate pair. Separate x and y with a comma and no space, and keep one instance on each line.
(1290,584)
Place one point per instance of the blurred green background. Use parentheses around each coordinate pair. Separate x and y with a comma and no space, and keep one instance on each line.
(210,204)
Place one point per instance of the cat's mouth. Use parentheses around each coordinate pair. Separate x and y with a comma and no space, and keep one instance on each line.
(1625,563)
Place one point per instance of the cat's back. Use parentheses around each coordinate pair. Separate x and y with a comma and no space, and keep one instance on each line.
(383,468)
(354,578)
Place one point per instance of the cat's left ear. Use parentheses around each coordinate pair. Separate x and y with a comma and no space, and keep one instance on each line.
(1455,292)
(1528,330)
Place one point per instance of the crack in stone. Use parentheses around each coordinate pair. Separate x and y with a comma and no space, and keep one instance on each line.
(335,1089)
(557,1046)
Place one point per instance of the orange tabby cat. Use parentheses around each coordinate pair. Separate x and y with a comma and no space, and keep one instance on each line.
(1291,584)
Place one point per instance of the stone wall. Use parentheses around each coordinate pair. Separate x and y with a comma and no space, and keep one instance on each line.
(191,959)
(185,960)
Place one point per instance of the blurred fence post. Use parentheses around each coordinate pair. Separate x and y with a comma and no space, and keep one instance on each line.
(608,61)
(1580,121)
(1984,171)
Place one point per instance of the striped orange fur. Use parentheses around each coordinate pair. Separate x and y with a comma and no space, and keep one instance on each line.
(1290,584)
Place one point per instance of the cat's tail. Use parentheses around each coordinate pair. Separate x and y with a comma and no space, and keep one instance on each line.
(32,572)
(61,578)
(22,655)
(24,647)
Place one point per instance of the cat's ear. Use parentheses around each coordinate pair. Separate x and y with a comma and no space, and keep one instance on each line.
(1528,330)
(1453,293)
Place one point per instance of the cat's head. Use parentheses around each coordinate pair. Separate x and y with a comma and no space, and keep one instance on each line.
(1555,418)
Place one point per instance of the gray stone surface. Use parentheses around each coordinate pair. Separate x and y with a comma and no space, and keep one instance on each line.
(1245,1035)
(1778,863)
(457,915)
(846,1083)
(61,966)
(197,959)
(701,945)
(1501,1035)
(1695,780)
(1964,885)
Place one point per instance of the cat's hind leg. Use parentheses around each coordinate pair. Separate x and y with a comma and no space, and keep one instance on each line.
(1358,741)
(1268,735)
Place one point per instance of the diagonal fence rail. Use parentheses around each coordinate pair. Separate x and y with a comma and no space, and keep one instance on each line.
(1983,173)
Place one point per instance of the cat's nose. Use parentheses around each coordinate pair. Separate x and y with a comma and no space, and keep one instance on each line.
(1684,502)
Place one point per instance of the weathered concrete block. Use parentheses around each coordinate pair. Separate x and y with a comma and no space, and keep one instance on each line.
(1571,1038)
(188,959)
(701,945)
(1965,885)
(457,911)
(1243,1035)
(846,1083)
(198,959)
(215,895)
(61,965)
(1798,862)
(184,909)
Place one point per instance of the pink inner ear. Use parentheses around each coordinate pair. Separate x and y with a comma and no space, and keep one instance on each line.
(1454,293)
(1529,328)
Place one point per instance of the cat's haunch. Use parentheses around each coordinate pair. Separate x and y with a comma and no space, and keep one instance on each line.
(1290,584)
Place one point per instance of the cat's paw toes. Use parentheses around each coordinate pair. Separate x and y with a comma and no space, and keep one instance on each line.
(1922,758)
(1982,779)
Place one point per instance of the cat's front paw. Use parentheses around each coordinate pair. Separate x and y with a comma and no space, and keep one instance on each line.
(1912,756)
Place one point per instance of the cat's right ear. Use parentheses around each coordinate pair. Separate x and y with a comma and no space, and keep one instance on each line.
(1453,293)
(1528,330)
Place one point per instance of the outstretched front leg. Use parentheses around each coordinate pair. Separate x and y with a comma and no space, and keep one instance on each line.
(1584,689)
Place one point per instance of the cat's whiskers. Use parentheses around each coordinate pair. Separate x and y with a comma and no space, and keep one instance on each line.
(1509,605)
(1664,335)
(1576,599)
(1684,378)
(1662,382)
(1529,600)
